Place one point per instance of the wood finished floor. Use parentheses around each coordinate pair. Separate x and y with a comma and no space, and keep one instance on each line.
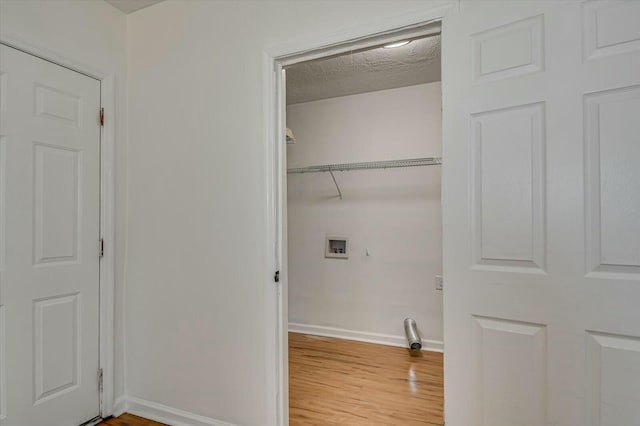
(129,420)
(342,382)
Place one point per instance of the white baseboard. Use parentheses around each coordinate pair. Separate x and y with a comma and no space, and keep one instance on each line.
(162,413)
(363,336)
(119,406)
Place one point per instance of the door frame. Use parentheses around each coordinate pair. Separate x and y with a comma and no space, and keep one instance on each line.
(412,22)
(107,205)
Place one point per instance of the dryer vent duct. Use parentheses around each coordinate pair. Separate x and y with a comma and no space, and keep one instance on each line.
(411,330)
(290,138)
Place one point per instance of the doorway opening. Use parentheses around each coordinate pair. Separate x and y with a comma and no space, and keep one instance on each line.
(362,231)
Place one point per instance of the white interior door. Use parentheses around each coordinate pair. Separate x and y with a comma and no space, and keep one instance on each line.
(49,260)
(542,213)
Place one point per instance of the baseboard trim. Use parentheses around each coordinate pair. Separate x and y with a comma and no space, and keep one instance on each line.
(165,414)
(363,336)
(119,406)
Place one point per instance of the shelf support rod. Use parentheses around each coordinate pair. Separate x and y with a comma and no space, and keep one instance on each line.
(336,183)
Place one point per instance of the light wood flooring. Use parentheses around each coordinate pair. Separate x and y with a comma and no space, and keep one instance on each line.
(129,420)
(342,382)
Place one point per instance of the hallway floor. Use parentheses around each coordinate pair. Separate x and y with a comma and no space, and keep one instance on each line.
(342,382)
(129,420)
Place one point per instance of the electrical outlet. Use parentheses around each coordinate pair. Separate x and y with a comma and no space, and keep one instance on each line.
(438,282)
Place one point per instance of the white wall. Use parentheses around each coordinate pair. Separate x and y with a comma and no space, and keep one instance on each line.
(395,213)
(197,276)
(91,33)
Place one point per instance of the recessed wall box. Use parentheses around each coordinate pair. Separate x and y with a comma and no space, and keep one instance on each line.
(337,247)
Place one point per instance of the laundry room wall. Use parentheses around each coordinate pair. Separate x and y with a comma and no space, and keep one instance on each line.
(391,216)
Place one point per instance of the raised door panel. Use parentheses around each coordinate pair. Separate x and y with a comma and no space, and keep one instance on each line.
(508,189)
(610,27)
(56,346)
(613,372)
(57,105)
(508,51)
(56,204)
(3,391)
(3,166)
(3,91)
(509,371)
(613,206)
(3,394)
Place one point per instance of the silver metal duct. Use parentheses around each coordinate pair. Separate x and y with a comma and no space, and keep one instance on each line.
(411,330)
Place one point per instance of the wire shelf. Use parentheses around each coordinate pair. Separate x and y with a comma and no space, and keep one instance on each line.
(390,164)
(412,162)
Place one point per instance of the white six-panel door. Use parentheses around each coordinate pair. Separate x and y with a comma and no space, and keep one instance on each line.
(542,213)
(49,231)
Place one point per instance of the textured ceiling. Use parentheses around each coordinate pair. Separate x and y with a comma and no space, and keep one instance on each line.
(128,6)
(377,69)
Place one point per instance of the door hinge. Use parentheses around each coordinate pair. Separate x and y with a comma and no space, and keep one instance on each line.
(101,247)
(276,277)
(101,116)
(100,379)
